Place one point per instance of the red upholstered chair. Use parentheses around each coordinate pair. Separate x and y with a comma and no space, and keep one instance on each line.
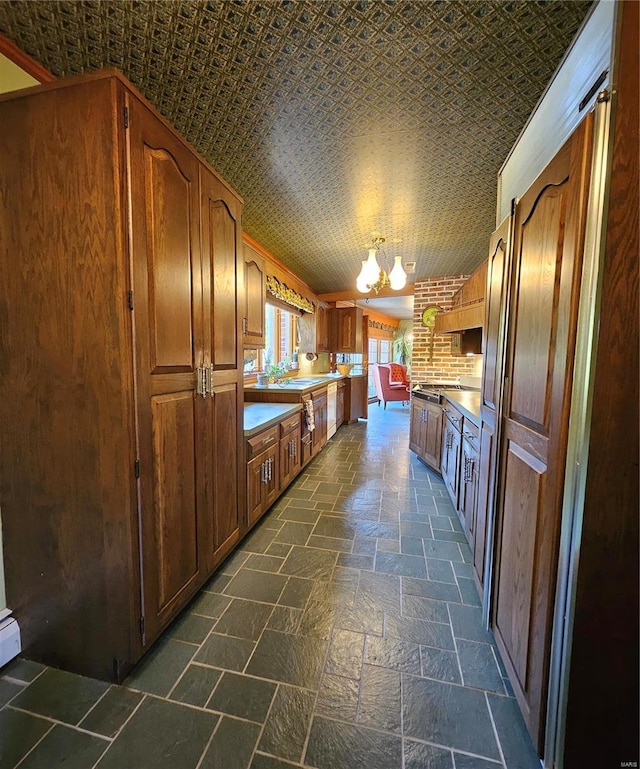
(386,388)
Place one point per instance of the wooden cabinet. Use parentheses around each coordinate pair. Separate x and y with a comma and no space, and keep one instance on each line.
(222,408)
(491,397)
(541,318)
(254,299)
(346,330)
(290,450)
(468,482)
(355,398)
(451,448)
(425,432)
(263,471)
(340,399)
(122,296)
(319,399)
(467,305)
(314,330)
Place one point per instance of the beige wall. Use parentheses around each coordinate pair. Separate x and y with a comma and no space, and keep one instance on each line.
(12,78)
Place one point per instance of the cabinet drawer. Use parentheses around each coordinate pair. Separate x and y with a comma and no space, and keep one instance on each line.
(453,415)
(470,432)
(262,441)
(292,423)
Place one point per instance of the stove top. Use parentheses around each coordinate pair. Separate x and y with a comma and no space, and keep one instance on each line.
(431,391)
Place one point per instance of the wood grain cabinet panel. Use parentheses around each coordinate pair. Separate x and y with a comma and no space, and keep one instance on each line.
(346,329)
(425,432)
(542,314)
(254,299)
(122,295)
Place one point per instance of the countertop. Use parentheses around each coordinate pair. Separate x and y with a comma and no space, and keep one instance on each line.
(468,401)
(260,416)
(306,383)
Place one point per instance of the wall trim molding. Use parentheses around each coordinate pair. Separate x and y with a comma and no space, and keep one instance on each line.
(9,49)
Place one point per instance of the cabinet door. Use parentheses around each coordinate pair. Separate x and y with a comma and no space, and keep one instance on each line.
(432,439)
(340,404)
(416,427)
(450,464)
(467,488)
(346,323)
(222,281)
(486,473)
(323,328)
(320,419)
(254,299)
(289,458)
(255,482)
(167,319)
(547,253)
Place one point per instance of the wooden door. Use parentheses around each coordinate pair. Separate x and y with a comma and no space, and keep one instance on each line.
(548,242)
(490,404)
(168,334)
(254,299)
(223,402)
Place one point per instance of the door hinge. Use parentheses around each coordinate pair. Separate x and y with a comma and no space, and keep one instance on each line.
(136,468)
(513,206)
(126,117)
(142,629)
(130,300)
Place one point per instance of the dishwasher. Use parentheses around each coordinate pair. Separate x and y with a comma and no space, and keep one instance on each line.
(332,397)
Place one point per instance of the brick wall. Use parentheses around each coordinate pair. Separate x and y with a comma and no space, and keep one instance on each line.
(440,366)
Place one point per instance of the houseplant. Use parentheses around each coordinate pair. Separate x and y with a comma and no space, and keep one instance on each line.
(402,348)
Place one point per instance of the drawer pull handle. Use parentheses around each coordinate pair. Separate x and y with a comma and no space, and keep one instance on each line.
(267,440)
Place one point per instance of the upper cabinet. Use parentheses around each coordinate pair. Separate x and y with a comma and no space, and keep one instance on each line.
(254,299)
(346,329)
(467,305)
(314,330)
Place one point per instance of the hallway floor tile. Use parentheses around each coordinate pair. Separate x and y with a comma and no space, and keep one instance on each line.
(344,633)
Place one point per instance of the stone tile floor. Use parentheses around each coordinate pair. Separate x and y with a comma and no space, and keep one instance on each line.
(344,633)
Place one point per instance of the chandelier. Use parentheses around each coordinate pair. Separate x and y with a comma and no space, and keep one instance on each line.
(372,277)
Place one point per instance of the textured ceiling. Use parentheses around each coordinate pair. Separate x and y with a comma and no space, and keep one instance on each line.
(333,120)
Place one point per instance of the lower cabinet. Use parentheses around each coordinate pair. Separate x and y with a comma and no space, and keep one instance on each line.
(460,467)
(451,448)
(319,400)
(468,483)
(340,402)
(263,468)
(274,459)
(425,432)
(290,450)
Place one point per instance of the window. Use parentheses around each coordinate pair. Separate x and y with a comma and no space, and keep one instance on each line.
(281,340)
(379,352)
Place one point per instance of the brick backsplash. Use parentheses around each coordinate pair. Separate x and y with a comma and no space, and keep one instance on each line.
(431,359)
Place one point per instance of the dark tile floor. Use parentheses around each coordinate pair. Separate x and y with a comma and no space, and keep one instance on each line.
(345,633)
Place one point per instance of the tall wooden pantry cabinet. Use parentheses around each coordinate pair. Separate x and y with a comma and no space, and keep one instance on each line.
(120,371)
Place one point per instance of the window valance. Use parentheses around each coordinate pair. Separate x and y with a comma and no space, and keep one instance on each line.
(287,295)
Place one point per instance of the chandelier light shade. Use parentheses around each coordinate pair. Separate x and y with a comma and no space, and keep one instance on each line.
(397,276)
(372,277)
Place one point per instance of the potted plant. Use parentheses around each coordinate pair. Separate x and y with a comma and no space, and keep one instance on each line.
(402,348)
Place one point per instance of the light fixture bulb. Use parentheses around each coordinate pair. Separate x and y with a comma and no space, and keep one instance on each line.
(397,276)
(371,269)
(361,280)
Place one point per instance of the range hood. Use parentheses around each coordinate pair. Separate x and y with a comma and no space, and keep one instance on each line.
(468,305)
